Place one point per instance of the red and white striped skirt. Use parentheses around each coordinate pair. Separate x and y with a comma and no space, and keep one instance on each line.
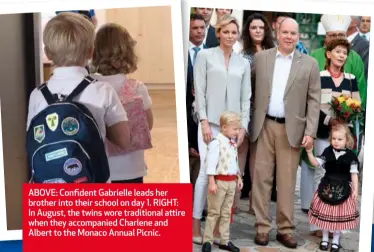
(339,217)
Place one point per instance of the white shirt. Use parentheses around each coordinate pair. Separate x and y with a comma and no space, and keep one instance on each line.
(367,35)
(351,37)
(99,97)
(192,51)
(282,70)
(237,47)
(206,34)
(212,158)
(130,165)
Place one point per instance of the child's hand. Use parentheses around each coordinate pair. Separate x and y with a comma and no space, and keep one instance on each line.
(309,150)
(240,184)
(355,195)
(212,188)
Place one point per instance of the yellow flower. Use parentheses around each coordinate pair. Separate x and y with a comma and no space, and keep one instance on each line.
(357,103)
(341,99)
(349,102)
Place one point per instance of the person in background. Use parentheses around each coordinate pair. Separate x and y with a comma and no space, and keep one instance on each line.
(336,26)
(90,14)
(210,39)
(114,58)
(256,36)
(358,43)
(222,81)
(197,35)
(365,27)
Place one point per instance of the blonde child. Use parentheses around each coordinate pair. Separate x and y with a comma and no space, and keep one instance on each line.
(224,179)
(334,205)
(69,43)
(114,57)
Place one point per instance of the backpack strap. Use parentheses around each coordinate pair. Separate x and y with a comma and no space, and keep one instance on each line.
(86,81)
(47,94)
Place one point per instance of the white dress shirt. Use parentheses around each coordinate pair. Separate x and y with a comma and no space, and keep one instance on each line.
(351,37)
(192,51)
(212,157)
(282,69)
(367,35)
(206,34)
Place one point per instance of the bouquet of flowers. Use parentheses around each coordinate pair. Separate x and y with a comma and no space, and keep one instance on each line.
(346,109)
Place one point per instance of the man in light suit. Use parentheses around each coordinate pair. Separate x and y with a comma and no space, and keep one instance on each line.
(285,118)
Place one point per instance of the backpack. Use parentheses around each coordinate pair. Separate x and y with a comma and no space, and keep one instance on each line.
(64,143)
(140,137)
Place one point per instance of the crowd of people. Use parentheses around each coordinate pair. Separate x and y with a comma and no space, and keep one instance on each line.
(282,94)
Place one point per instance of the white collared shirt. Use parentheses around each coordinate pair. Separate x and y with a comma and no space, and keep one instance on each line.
(212,157)
(351,37)
(192,51)
(99,97)
(206,34)
(367,35)
(282,69)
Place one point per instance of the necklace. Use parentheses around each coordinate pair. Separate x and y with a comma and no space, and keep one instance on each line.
(335,75)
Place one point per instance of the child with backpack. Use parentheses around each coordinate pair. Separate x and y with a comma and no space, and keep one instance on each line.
(114,57)
(70,116)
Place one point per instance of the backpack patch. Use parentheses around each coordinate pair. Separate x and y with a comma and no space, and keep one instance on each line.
(39,133)
(70,126)
(52,121)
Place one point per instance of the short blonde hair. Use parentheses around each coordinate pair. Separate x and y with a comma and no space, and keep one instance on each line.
(224,21)
(114,51)
(228,117)
(348,134)
(69,39)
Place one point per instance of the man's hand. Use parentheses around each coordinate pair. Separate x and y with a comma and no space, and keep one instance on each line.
(307,142)
(193,153)
(240,184)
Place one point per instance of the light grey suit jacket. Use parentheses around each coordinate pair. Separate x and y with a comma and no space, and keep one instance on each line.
(218,90)
(301,97)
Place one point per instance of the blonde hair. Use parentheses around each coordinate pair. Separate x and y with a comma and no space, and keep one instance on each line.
(114,51)
(69,39)
(343,127)
(224,21)
(228,117)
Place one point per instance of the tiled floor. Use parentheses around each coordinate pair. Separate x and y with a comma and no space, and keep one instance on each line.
(243,232)
(162,159)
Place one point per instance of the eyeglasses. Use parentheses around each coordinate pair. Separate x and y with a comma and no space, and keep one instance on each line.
(336,35)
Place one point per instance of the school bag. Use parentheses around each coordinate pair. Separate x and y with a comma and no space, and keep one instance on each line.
(140,137)
(64,143)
